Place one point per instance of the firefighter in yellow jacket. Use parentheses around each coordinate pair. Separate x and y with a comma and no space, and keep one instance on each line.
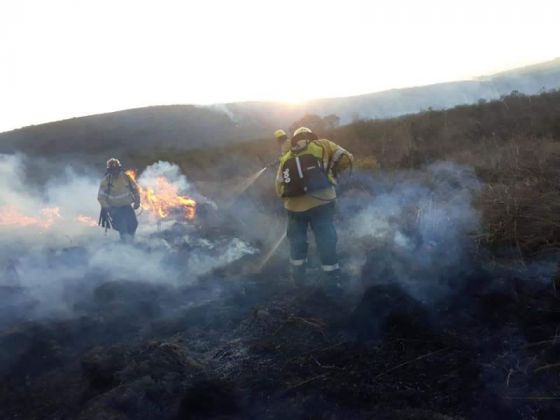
(119,197)
(282,139)
(305,181)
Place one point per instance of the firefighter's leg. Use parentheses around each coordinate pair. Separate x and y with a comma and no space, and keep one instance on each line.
(132,222)
(118,221)
(297,236)
(322,223)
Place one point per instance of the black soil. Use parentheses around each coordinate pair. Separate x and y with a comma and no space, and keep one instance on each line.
(254,347)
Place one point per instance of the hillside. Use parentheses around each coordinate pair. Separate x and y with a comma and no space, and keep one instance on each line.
(448,234)
(526,80)
(175,126)
(513,145)
(187,127)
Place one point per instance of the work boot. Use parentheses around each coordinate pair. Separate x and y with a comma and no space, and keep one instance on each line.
(333,284)
(297,275)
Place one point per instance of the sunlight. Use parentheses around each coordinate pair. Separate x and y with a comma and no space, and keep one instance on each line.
(251,51)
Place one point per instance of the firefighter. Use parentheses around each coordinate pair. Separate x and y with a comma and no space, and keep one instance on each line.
(119,197)
(305,181)
(282,139)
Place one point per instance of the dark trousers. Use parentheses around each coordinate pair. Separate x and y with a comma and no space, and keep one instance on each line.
(321,220)
(124,221)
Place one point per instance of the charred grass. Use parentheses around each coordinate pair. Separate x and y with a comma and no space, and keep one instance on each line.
(490,350)
(263,349)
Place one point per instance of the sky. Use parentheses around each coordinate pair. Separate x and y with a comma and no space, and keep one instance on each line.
(67,58)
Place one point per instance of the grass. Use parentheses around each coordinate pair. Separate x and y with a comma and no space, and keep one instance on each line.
(513,144)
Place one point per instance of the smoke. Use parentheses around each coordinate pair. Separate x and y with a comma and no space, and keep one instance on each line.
(411,227)
(46,214)
(224,108)
(172,172)
(52,253)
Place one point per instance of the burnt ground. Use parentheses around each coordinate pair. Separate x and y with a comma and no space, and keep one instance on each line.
(255,347)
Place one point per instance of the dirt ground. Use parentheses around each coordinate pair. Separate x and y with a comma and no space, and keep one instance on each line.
(262,349)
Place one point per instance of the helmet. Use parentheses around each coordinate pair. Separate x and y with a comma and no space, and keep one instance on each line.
(113,163)
(302,132)
(302,136)
(280,135)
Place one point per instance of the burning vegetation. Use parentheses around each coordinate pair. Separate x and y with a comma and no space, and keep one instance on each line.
(163,329)
(161,199)
(434,325)
(12,216)
(49,217)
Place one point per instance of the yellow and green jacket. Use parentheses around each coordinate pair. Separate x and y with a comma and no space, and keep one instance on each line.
(335,158)
(284,147)
(117,191)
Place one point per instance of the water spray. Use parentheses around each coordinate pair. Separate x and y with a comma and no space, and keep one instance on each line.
(262,264)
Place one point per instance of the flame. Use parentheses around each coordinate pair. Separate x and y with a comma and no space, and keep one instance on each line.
(164,200)
(86,220)
(161,201)
(11,216)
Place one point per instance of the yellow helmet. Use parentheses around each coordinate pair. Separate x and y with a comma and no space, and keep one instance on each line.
(280,134)
(301,131)
(302,136)
(304,133)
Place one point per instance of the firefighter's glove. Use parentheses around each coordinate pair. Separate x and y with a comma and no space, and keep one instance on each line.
(136,205)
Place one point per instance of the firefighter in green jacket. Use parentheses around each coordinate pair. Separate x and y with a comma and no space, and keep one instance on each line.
(305,180)
(119,197)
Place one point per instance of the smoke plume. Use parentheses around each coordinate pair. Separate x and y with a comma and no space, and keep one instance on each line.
(52,252)
(413,226)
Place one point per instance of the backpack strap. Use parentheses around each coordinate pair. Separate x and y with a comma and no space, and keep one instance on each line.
(109,185)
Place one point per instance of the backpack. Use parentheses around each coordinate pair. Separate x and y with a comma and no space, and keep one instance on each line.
(304,172)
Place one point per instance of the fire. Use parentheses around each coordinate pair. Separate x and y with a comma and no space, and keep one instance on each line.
(11,216)
(86,220)
(163,199)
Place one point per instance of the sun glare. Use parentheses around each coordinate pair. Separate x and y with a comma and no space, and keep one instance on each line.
(251,51)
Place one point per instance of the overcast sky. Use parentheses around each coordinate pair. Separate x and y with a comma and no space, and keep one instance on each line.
(61,59)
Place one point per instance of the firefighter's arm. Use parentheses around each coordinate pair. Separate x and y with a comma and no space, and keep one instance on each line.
(340,158)
(102,195)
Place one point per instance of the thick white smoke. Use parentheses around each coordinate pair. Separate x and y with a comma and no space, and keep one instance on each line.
(48,253)
(413,226)
(45,215)
(172,172)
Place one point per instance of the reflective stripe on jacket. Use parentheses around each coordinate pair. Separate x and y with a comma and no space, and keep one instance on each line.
(117,191)
(332,155)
